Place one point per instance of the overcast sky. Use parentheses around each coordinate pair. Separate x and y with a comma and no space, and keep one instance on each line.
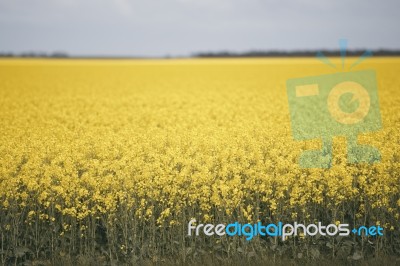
(181,27)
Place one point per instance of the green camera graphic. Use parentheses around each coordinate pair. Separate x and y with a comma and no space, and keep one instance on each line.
(340,104)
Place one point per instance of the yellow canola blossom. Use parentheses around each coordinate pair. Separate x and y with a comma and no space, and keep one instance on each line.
(129,143)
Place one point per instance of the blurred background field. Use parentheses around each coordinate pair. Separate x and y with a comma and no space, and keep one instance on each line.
(106,161)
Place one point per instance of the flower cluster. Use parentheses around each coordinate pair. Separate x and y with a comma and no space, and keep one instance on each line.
(124,153)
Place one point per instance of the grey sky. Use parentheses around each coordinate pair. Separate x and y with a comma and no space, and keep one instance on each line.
(180,27)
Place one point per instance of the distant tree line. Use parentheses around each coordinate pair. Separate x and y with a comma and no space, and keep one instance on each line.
(35,54)
(295,53)
(253,53)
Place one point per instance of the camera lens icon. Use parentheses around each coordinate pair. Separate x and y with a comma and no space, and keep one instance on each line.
(340,104)
(360,95)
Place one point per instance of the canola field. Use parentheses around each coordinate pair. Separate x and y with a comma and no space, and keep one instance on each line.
(112,158)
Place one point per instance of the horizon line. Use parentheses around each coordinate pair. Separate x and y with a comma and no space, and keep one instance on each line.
(206,54)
